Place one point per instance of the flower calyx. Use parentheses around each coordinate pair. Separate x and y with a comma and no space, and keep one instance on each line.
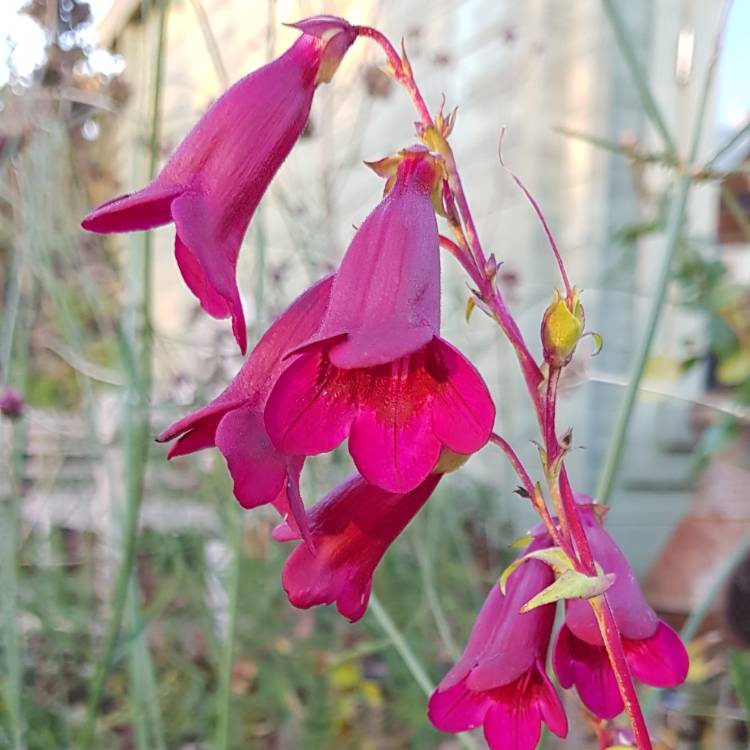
(388,167)
(450,461)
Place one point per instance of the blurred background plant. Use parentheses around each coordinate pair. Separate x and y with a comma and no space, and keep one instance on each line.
(140,607)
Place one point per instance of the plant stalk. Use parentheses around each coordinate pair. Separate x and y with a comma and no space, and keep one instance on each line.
(675,224)
(409,658)
(637,74)
(136,415)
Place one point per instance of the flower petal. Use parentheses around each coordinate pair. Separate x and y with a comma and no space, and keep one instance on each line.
(587,667)
(516,726)
(457,709)
(290,505)
(192,272)
(257,468)
(350,530)
(207,253)
(550,705)
(145,209)
(661,660)
(197,430)
(515,720)
(391,454)
(303,416)
(200,437)
(463,413)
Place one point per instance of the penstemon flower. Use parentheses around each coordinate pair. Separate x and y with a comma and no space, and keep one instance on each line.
(500,682)
(654,652)
(351,529)
(213,182)
(233,421)
(377,371)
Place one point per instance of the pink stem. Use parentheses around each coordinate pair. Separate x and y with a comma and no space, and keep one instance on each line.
(537,502)
(602,610)
(457,252)
(613,643)
(404,77)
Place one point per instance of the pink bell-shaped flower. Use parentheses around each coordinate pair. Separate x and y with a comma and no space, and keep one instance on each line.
(213,182)
(351,529)
(377,371)
(654,652)
(500,682)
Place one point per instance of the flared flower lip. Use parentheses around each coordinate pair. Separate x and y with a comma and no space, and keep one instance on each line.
(398,417)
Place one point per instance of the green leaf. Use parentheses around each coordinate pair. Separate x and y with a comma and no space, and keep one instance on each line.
(739,669)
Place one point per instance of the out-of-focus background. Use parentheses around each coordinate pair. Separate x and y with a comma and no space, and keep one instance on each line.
(601,101)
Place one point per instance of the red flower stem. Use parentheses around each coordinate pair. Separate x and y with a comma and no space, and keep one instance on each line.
(401,73)
(458,253)
(515,461)
(552,449)
(536,500)
(492,295)
(613,644)
(568,514)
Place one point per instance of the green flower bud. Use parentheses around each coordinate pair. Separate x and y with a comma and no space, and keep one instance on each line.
(562,328)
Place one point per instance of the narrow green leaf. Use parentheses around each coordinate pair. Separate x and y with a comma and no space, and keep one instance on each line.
(739,669)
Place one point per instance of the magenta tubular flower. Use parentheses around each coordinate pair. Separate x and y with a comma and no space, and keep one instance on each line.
(378,372)
(233,421)
(653,650)
(213,182)
(351,529)
(500,682)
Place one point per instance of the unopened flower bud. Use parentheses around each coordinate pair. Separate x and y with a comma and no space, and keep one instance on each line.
(562,327)
(12,403)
